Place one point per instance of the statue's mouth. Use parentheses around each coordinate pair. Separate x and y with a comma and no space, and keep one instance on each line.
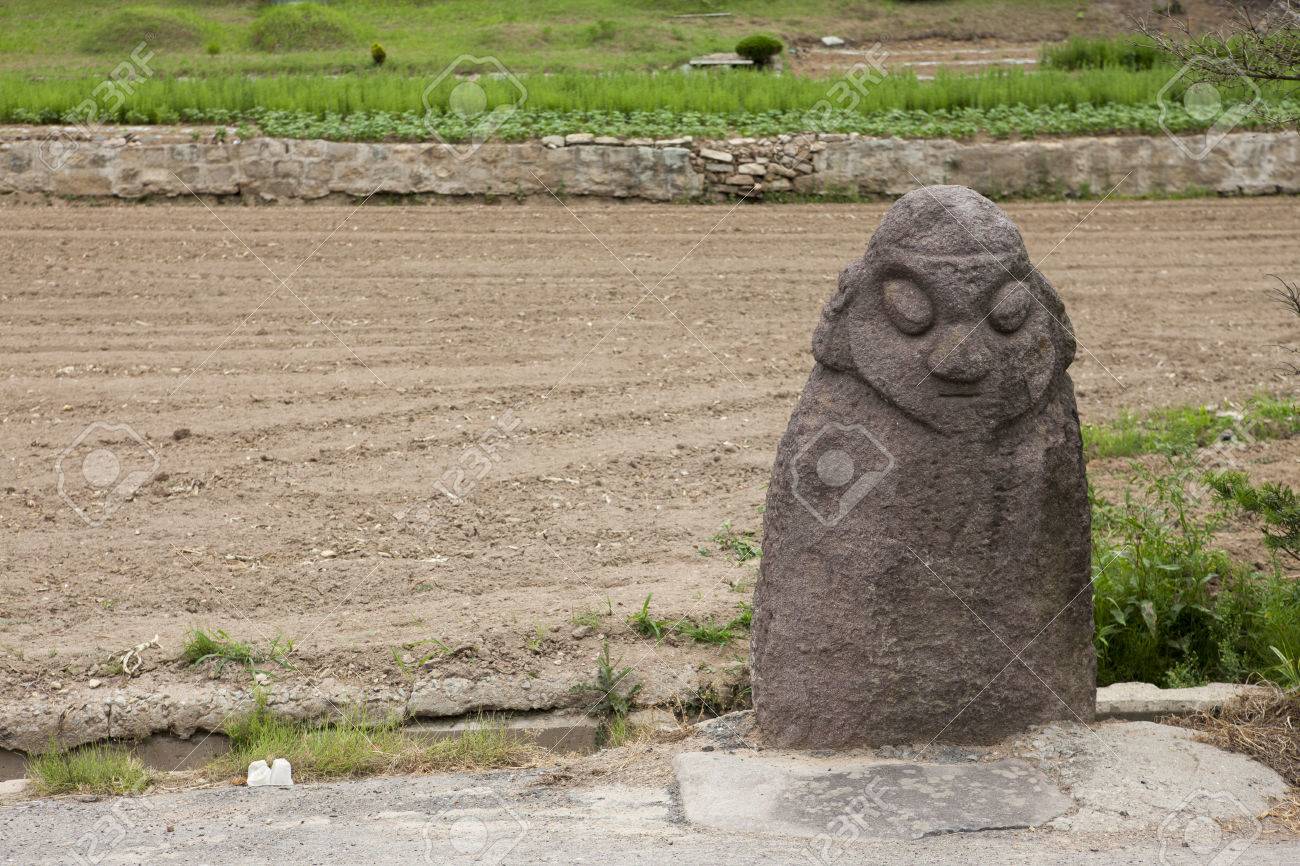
(958,391)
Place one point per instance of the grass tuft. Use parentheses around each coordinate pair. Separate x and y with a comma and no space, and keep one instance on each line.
(1183,430)
(95,769)
(705,631)
(217,645)
(740,545)
(356,746)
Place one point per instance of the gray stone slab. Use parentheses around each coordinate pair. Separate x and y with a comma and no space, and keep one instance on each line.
(1145,702)
(857,798)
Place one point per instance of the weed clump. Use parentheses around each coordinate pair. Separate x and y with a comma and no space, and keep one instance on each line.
(95,769)
(615,693)
(218,646)
(1169,608)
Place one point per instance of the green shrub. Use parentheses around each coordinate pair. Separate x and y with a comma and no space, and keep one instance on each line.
(213,48)
(601,31)
(378,54)
(158,28)
(301,27)
(760,48)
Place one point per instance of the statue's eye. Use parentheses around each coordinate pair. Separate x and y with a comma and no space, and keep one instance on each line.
(908,307)
(1010,307)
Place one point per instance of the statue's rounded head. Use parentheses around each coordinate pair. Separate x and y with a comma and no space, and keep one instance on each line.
(945,316)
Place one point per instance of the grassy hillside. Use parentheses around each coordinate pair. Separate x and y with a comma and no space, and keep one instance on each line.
(86,37)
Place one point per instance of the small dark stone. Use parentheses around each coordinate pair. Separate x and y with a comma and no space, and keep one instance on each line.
(181,433)
(927,522)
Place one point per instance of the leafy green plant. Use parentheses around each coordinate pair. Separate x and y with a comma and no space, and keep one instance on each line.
(217,645)
(760,48)
(740,545)
(646,625)
(1286,673)
(615,693)
(94,769)
(1171,609)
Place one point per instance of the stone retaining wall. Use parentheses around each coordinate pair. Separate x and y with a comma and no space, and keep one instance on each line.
(140,162)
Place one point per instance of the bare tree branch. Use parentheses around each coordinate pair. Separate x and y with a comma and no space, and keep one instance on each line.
(1254,46)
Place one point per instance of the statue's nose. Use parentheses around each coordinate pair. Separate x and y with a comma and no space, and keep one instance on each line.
(960,356)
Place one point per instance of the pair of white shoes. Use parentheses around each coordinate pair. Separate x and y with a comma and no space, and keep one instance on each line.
(279,774)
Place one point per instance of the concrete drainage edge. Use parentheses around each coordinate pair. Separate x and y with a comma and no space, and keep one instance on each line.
(142,709)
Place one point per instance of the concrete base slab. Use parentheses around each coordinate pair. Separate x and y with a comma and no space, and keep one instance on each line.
(797,796)
(1129,775)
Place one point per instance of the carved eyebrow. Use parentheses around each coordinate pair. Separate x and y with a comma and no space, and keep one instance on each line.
(894,271)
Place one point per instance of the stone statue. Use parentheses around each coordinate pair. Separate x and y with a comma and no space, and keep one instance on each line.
(927,523)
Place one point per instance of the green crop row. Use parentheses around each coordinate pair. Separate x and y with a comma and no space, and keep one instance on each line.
(998,122)
(51,99)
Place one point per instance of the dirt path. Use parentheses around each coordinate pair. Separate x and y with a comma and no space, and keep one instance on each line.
(294,423)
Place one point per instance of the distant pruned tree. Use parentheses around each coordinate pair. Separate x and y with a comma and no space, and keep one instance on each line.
(1261,42)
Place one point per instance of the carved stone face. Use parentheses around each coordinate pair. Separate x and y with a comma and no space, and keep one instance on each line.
(946,318)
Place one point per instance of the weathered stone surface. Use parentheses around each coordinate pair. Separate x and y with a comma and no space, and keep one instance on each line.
(164,161)
(926,553)
(873,799)
(1242,163)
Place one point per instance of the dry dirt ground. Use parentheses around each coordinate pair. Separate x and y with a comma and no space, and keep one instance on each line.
(630,368)
(927,38)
